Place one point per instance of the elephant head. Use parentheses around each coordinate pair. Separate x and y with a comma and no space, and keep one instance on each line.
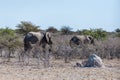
(89,39)
(46,39)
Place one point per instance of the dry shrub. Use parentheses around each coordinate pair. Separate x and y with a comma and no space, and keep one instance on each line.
(60,45)
(62,49)
(109,48)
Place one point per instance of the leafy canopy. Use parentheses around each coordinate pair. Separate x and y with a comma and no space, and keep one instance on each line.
(66,30)
(99,34)
(24,27)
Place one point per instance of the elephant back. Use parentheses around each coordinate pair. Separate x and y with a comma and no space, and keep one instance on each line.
(81,40)
(38,35)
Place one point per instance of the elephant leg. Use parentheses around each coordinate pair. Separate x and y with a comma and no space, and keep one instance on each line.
(46,62)
(26,57)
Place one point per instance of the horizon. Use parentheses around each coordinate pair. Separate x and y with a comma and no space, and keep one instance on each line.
(77,14)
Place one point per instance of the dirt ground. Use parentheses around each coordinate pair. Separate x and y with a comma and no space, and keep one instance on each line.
(59,70)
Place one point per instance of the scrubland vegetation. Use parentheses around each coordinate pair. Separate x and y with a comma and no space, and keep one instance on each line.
(107,46)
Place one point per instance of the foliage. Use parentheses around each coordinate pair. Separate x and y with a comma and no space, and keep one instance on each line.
(66,30)
(52,29)
(9,40)
(99,34)
(6,32)
(25,27)
(117,30)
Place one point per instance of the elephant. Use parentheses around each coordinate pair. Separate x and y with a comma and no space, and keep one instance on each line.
(80,40)
(37,37)
(39,42)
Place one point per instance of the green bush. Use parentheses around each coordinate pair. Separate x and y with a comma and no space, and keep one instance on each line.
(99,34)
(9,40)
(6,32)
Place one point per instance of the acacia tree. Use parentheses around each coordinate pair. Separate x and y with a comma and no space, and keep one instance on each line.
(24,27)
(52,29)
(117,30)
(66,30)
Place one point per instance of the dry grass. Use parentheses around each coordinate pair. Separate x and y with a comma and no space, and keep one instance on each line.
(58,71)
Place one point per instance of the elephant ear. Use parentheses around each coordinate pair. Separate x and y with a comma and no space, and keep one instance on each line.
(91,39)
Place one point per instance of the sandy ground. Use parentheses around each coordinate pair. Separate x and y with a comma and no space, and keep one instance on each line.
(58,71)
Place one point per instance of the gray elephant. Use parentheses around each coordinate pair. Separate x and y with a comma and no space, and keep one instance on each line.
(40,44)
(80,40)
(39,38)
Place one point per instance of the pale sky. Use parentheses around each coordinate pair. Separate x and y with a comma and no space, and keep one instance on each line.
(78,14)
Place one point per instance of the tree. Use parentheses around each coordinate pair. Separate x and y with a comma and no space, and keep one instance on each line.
(52,29)
(66,30)
(117,30)
(24,27)
(9,40)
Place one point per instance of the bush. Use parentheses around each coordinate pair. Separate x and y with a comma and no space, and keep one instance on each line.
(109,48)
(9,41)
(6,31)
(99,34)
